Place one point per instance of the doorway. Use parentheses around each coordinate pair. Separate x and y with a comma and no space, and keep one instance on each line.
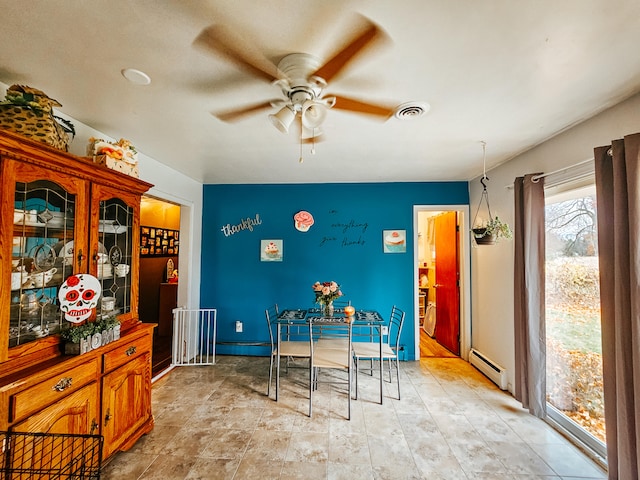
(444,331)
(159,274)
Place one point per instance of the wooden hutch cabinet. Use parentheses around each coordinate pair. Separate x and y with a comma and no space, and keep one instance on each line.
(61,215)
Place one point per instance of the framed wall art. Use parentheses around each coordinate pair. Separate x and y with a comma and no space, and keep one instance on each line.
(271,250)
(158,242)
(394,241)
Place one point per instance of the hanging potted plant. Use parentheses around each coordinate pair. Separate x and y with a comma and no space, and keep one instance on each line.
(490,231)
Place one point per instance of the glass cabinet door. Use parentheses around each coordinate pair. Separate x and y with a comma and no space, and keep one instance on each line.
(45,251)
(112,246)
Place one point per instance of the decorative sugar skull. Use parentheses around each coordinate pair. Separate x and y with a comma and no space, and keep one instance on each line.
(78,297)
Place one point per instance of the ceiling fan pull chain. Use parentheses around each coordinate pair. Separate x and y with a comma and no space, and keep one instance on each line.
(301,159)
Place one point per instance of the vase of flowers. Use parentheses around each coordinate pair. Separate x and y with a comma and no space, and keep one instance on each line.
(326,293)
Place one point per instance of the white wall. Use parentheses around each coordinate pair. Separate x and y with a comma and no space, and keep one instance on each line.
(168,185)
(492,266)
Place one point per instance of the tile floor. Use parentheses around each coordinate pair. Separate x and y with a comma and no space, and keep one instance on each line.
(216,422)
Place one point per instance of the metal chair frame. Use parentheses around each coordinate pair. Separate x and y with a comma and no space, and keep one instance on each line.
(370,350)
(330,355)
(287,348)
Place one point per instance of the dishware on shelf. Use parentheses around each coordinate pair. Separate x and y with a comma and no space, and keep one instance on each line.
(122,270)
(55,219)
(40,279)
(18,279)
(67,250)
(28,301)
(39,332)
(108,304)
(105,270)
(31,216)
(110,226)
(28,218)
(44,256)
(18,216)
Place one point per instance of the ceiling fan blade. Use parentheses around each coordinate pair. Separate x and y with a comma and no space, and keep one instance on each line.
(367,34)
(352,105)
(239,113)
(237,49)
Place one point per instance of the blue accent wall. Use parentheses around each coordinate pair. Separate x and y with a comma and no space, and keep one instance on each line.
(345,244)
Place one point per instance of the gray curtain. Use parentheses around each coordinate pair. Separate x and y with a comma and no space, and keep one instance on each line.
(529,251)
(618,201)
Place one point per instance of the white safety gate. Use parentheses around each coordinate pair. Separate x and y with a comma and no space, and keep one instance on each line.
(194,336)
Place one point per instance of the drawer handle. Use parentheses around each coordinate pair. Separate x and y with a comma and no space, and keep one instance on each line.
(94,426)
(107,417)
(130,351)
(63,384)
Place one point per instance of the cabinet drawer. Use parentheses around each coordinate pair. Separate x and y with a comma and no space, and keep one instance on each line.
(52,390)
(124,353)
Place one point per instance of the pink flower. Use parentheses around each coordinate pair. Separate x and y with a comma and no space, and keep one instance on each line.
(326,292)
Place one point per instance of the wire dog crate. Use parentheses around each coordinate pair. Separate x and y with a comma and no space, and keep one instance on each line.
(50,456)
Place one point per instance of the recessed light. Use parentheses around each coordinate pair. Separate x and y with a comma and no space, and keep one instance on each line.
(136,77)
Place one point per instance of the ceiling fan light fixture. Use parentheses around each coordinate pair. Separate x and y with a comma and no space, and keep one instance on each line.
(313,114)
(283,119)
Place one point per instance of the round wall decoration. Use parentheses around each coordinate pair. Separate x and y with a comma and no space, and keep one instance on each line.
(303,221)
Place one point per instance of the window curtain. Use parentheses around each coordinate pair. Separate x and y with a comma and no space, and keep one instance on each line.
(618,201)
(529,328)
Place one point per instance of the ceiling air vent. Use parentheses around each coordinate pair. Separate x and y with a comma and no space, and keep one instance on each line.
(411,110)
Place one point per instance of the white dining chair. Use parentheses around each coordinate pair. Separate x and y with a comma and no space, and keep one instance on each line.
(287,349)
(370,350)
(335,355)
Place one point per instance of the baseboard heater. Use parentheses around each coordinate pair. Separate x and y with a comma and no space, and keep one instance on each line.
(489,368)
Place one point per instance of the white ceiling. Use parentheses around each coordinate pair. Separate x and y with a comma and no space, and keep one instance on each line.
(509,73)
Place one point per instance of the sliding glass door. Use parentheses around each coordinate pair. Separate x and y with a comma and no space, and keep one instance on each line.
(574,350)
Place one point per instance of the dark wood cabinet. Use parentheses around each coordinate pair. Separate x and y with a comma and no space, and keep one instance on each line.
(167,302)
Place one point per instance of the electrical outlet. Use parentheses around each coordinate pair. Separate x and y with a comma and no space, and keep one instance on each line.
(385,330)
(238,326)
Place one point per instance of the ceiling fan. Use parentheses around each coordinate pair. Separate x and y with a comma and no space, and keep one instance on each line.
(301,77)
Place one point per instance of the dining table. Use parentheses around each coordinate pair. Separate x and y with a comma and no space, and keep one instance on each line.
(295,323)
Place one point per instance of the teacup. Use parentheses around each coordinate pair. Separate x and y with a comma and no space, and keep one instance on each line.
(40,279)
(108,303)
(122,270)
